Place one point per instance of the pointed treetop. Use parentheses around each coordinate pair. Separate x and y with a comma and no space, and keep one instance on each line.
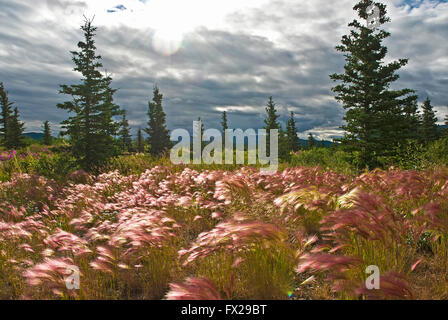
(272,116)
(224,123)
(368,8)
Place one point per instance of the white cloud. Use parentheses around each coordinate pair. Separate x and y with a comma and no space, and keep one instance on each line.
(244,109)
(441,113)
(322,133)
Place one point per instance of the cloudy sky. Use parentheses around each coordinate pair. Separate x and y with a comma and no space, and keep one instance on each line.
(208,56)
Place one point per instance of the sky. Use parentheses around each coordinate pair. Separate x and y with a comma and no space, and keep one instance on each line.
(212,56)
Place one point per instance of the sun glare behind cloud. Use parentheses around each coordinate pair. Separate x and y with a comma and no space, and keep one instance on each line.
(169,20)
(167,42)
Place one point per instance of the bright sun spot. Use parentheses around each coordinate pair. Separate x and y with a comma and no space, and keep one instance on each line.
(167,41)
(167,20)
(171,20)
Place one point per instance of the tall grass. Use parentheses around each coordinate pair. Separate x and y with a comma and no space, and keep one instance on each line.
(147,229)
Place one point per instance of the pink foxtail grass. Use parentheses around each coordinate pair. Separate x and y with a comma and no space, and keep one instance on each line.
(193,289)
(162,231)
(245,259)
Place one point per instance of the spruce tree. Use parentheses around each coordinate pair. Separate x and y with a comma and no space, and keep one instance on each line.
(202,133)
(47,139)
(14,136)
(91,128)
(412,120)
(202,126)
(5,113)
(109,111)
(125,135)
(291,134)
(444,131)
(283,146)
(311,141)
(224,126)
(224,123)
(428,129)
(271,121)
(140,142)
(159,139)
(322,143)
(377,118)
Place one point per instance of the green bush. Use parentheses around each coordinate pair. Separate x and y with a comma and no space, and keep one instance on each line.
(418,156)
(409,156)
(133,164)
(327,158)
(437,152)
(56,166)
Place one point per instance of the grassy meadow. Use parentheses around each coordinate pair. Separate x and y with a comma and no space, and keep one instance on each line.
(142,228)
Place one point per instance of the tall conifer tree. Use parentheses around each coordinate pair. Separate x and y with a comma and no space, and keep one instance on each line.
(140,141)
(47,139)
(224,126)
(5,113)
(428,129)
(159,139)
(202,133)
(125,134)
(92,127)
(271,121)
(291,134)
(377,118)
(311,141)
(14,136)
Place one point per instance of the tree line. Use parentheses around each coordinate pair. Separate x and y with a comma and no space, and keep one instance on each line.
(378,120)
(97,128)
(11,128)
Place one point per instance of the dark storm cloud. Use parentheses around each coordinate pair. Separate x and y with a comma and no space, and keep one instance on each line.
(221,71)
(278,49)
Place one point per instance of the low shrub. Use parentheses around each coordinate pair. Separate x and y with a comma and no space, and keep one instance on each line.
(328,158)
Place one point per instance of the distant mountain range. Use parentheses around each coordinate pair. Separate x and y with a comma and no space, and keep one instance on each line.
(38,137)
(34,135)
(327,143)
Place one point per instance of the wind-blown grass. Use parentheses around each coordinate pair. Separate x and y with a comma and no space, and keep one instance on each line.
(181,233)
